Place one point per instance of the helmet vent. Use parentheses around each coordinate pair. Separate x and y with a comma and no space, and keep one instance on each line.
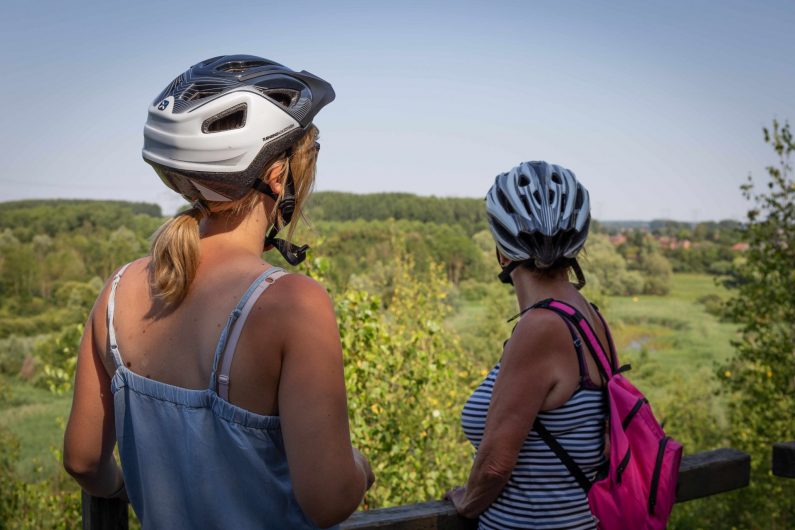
(556,178)
(238,67)
(523,180)
(505,203)
(551,195)
(202,89)
(284,97)
(230,119)
(578,200)
(537,197)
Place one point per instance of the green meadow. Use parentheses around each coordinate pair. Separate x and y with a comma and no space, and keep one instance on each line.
(675,330)
(36,417)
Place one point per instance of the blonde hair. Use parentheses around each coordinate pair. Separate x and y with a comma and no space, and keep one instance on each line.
(175,245)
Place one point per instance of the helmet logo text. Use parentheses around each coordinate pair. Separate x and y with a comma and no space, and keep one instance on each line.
(163,105)
(291,126)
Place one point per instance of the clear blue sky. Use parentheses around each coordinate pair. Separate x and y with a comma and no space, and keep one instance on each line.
(657,108)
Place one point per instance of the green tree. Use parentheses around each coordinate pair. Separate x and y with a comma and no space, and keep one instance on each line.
(760,378)
(658,273)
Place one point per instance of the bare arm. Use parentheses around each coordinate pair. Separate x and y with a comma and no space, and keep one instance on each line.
(90,433)
(329,477)
(527,375)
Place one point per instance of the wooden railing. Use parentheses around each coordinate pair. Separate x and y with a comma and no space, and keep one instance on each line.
(700,475)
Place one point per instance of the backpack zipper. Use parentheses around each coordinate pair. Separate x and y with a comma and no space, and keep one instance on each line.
(635,409)
(622,465)
(655,478)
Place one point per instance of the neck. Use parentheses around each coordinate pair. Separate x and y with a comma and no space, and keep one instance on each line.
(242,234)
(532,287)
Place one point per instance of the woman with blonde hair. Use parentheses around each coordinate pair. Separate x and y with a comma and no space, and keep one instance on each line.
(228,404)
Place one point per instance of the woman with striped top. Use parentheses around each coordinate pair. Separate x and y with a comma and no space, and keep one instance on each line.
(539,216)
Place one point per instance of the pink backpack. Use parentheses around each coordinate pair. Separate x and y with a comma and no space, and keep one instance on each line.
(638,488)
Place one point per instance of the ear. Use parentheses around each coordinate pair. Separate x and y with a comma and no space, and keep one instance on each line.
(273,177)
(502,260)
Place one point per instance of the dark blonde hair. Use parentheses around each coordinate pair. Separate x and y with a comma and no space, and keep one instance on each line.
(175,245)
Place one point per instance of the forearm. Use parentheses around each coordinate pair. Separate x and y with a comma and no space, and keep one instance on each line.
(486,481)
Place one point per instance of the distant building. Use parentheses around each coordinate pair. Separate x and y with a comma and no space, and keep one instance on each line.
(618,239)
(672,243)
(740,247)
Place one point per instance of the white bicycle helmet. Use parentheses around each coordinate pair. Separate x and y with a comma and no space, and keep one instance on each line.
(539,214)
(212,131)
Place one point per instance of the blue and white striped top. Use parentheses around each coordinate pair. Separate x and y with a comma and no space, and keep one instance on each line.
(541,492)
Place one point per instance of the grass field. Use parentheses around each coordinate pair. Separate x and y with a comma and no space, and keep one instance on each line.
(36,418)
(675,330)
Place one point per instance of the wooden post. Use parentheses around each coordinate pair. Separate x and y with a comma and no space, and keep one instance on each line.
(104,514)
(784,459)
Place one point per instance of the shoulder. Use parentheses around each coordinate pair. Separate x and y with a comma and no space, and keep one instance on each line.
(101,304)
(97,322)
(300,293)
(293,300)
(537,331)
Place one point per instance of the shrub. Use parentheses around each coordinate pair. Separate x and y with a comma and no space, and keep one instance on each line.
(406,379)
(760,379)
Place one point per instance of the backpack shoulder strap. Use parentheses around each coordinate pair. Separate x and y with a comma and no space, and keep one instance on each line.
(561,453)
(577,318)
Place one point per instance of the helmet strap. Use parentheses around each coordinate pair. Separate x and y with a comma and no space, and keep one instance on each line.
(292,254)
(505,274)
(578,272)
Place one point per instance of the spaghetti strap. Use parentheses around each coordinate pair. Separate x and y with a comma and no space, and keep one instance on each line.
(114,346)
(227,342)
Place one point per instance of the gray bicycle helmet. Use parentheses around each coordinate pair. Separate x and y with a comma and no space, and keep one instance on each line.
(212,131)
(539,214)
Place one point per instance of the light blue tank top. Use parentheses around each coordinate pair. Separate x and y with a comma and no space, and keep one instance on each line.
(193,460)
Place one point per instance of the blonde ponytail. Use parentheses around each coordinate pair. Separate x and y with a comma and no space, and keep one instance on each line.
(175,256)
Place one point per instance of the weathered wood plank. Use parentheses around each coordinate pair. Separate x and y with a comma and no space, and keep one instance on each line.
(712,472)
(700,475)
(104,514)
(784,459)
(434,515)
